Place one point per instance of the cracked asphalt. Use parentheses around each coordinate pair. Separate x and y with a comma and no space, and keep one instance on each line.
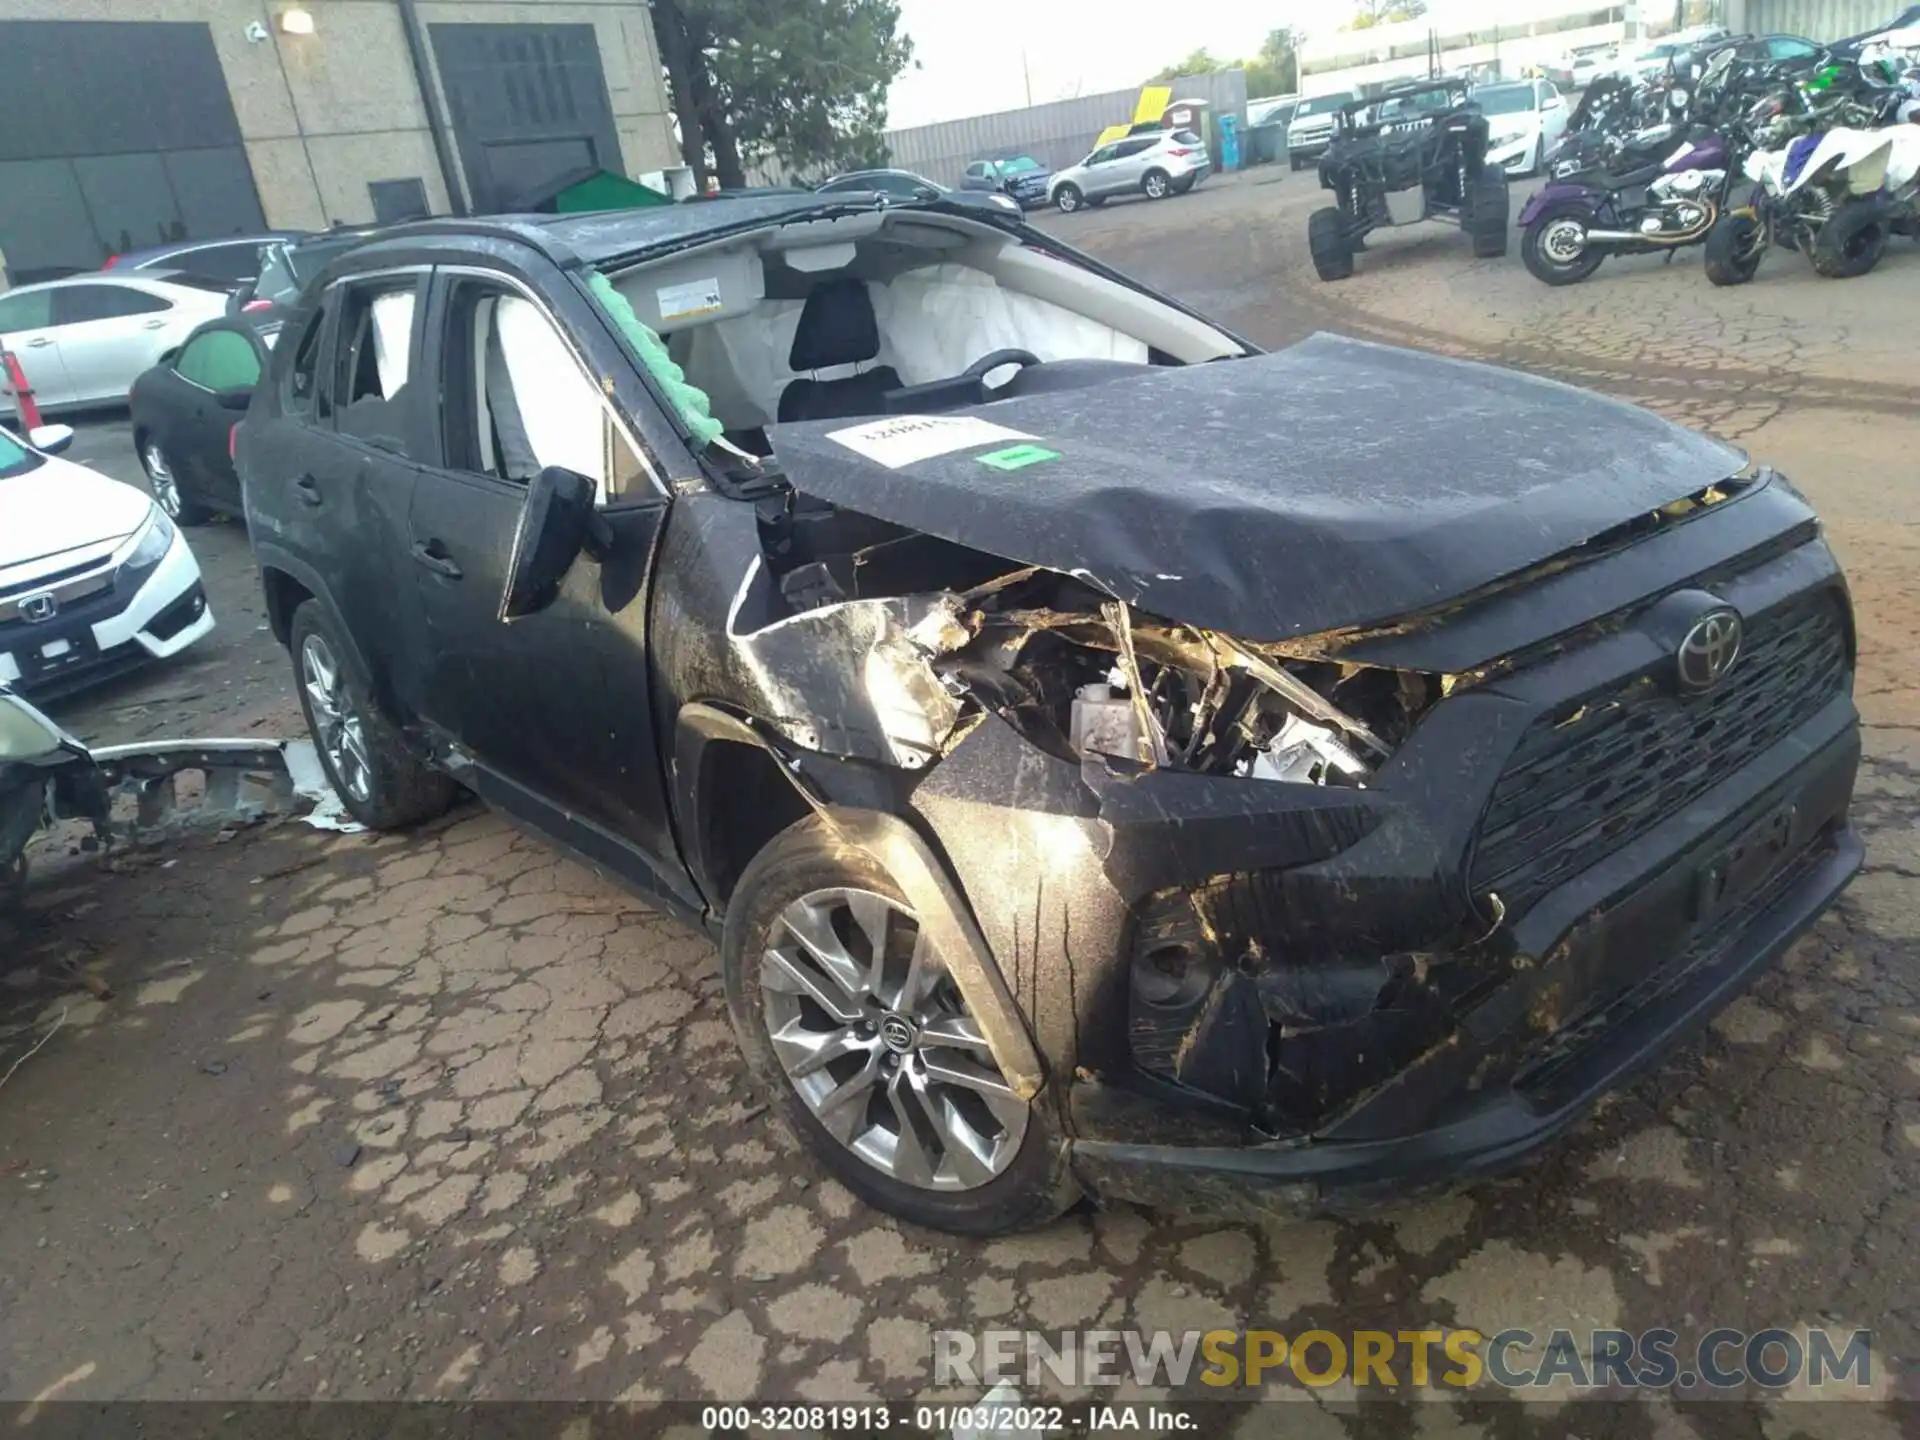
(444,1115)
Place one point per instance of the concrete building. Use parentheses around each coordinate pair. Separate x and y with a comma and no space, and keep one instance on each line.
(136,122)
(1509,37)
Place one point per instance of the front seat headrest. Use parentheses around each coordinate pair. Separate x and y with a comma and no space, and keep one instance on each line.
(837,327)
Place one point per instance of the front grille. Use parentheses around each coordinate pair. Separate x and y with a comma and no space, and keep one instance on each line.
(1591,777)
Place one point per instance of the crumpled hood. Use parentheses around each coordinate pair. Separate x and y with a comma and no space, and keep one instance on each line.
(1333,484)
(60,506)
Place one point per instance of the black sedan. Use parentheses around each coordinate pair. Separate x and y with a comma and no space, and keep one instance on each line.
(184,411)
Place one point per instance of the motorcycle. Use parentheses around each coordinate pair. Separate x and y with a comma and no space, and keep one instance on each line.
(1836,196)
(1666,195)
(48,775)
(1657,189)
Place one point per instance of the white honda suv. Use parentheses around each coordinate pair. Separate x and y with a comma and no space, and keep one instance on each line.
(94,580)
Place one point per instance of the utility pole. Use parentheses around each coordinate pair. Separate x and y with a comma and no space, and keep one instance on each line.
(1026,72)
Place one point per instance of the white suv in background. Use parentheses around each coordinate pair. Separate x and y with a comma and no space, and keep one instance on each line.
(94,580)
(1158,164)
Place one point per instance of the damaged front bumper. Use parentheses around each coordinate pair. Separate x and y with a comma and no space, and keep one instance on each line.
(1291,997)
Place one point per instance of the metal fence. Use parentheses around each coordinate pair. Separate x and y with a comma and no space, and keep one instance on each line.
(1056,134)
(1819,19)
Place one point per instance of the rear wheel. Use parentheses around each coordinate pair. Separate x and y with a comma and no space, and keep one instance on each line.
(1327,241)
(849,1017)
(1156,184)
(1068,198)
(1852,242)
(1735,247)
(166,486)
(1487,214)
(380,782)
(1555,245)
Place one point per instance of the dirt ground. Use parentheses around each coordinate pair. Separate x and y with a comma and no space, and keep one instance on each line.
(445,1115)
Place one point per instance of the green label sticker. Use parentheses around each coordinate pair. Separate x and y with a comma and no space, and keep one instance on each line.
(1018,457)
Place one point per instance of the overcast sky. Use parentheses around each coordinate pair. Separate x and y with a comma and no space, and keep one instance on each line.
(971,54)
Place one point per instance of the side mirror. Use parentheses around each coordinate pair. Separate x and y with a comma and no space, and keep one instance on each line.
(50,439)
(557,525)
(238,398)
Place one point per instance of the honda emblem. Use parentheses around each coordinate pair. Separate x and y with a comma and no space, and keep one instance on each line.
(36,608)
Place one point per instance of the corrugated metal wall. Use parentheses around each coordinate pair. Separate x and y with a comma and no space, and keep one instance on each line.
(1818,19)
(1056,134)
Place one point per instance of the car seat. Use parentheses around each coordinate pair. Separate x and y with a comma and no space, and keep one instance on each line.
(837,327)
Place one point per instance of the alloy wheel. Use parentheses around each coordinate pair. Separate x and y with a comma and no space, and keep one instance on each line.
(877,1042)
(1157,187)
(337,724)
(166,490)
(1564,241)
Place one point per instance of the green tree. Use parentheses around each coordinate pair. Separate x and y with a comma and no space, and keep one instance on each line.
(1200,62)
(1275,70)
(1386,12)
(798,83)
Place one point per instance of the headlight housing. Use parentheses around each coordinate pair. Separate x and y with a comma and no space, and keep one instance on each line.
(153,542)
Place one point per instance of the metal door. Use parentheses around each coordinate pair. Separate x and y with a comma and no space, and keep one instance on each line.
(529,105)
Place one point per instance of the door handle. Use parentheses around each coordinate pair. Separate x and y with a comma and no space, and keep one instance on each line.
(308,489)
(154,325)
(39,344)
(431,554)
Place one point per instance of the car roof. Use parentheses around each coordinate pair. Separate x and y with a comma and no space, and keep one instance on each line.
(205,242)
(594,239)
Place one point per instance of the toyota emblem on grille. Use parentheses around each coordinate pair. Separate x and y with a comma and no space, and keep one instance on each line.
(1709,650)
(39,607)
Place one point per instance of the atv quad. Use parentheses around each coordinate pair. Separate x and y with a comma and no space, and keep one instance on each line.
(1413,152)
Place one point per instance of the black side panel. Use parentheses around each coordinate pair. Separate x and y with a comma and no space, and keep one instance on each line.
(117,136)
(529,105)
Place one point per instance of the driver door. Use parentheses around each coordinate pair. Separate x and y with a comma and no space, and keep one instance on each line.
(551,709)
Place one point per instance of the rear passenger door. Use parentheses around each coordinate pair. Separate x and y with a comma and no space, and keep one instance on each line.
(341,462)
(553,708)
(108,334)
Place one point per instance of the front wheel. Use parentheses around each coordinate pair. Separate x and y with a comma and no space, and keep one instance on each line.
(380,782)
(1735,247)
(1487,216)
(165,485)
(850,1018)
(1555,245)
(1068,199)
(1852,241)
(1327,242)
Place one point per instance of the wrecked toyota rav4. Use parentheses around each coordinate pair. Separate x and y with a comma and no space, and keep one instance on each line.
(1111,760)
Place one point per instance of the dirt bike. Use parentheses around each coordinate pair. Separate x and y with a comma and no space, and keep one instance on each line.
(1837,196)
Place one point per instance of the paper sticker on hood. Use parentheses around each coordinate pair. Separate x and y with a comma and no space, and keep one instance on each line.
(908,439)
(1334,484)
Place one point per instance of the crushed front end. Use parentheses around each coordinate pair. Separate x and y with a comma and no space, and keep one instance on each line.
(1313,923)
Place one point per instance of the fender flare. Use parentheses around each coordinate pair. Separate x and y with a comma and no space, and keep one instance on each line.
(271,557)
(908,857)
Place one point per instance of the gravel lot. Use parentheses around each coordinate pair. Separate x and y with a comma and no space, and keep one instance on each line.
(445,1115)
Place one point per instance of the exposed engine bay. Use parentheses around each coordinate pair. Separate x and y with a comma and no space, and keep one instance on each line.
(1077,672)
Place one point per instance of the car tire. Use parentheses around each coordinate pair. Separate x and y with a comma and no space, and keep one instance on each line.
(1543,245)
(1852,241)
(1735,247)
(1488,219)
(1327,242)
(808,877)
(381,783)
(1068,199)
(164,482)
(1156,184)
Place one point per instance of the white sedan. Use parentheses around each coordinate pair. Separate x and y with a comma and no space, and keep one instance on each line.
(84,339)
(94,580)
(1525,120)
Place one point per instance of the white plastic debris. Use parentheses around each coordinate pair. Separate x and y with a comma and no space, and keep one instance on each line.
(1005,1399)
(310,782)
